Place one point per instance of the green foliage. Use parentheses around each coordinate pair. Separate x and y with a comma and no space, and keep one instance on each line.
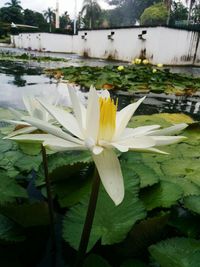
(179,12)
(177,172)
(111,223)
(29,57)
(91,12)
(193,203)
(132,78)
(133,161)
(70,176)
(10,231)
(126,12)
(10,190)
(154,15)
(184,222)
(158,195)
(177,252)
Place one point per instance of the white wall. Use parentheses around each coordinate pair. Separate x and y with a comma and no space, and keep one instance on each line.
(159,44)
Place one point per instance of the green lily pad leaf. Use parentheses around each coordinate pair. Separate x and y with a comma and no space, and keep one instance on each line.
(75,185)
(177,252)
(95,260)
(10,190)
(5,145)
(185,222)
(30,149)
(164,194)
(135,162)
(192,203)
(63,165)
(193,134)
(27,163)
(10,231)
(111,223)
(28,215)
(162,119)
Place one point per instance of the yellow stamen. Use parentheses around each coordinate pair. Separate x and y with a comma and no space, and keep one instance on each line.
(108,109)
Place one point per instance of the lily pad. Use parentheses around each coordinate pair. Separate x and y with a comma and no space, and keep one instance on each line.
(111,223)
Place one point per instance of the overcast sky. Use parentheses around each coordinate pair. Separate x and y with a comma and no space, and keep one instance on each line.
(65,5)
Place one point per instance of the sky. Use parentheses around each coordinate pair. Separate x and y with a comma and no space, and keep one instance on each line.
(64,5)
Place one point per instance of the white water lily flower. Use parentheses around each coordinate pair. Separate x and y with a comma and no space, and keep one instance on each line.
(35,110)
(101,129)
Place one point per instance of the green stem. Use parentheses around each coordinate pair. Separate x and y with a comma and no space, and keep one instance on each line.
(88,220)
(50,202)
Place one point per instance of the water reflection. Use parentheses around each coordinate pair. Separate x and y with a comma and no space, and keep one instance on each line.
(162,103)
(19,78)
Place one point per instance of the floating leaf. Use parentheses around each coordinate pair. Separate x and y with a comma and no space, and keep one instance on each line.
(192,203)
(30,149)
(63,165)
(10,190)
(164,194)
(9,230)
(177,252)
(111,223)
(146,174)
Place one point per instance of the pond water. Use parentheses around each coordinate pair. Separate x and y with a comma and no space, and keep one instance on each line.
(16,78)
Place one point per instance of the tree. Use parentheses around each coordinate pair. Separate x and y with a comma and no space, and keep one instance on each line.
(91,12)
(35,19)
(168,4)
(195,14)
(154,15)
(127,12)
(11,14)
(65,21)
(49,15)
(191,4)
(179,12)
(14,3)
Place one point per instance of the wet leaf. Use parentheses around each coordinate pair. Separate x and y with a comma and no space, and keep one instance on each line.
(177,252)
(111,223)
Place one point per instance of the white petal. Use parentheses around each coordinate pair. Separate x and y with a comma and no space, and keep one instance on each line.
(138,142)
(33,138)
(17,122)
(47,127)
(150,150)
(110,173)
(121,148)
(167,140)
(78,108)
(24,130)
(143,130)
(170,130)
(93,115)
(66,119)
(28,105)
(123,117)
(58,145)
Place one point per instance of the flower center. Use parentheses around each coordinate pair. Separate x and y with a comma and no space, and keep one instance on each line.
(108,109)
